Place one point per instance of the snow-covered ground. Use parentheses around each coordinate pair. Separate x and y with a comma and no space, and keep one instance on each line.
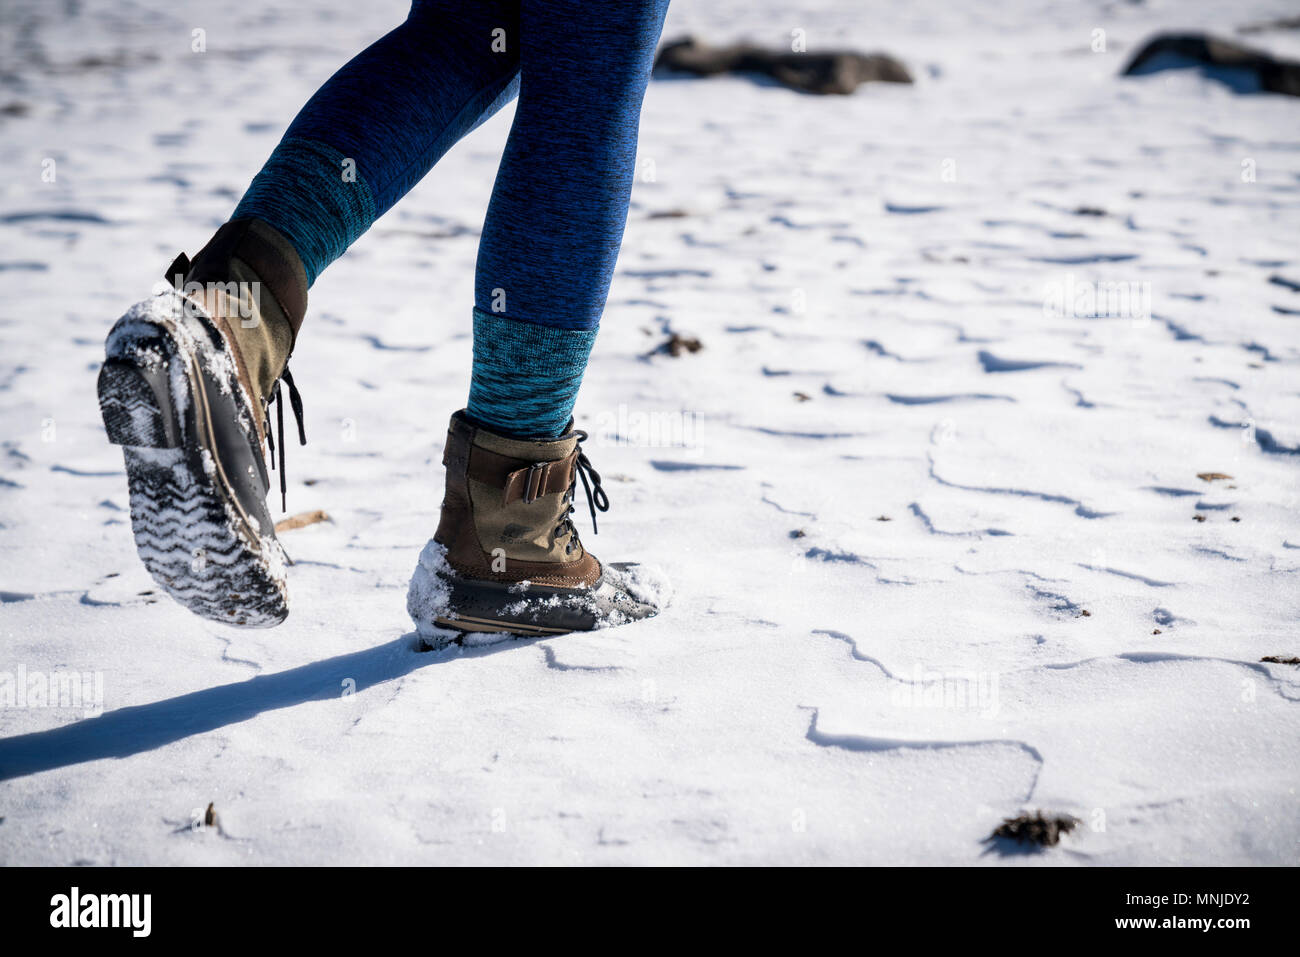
(930,521)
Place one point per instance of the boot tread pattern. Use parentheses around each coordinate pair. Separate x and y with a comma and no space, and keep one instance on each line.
(190,532)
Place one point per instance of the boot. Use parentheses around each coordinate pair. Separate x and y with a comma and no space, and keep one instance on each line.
(506,556)
(184,390)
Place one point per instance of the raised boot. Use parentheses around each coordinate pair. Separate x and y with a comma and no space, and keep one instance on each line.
(506,556)
(184,390)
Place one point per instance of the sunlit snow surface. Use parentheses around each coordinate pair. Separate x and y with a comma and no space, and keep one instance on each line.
(900,258)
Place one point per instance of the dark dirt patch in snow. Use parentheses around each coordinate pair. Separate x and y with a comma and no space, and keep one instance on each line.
(1034,830)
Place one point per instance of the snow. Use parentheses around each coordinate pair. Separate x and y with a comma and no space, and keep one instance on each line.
(825,686)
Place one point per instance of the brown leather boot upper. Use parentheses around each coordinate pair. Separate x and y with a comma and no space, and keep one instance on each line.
(505,513)
(254,288)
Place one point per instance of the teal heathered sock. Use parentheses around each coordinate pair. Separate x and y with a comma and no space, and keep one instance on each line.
(311,194)
(526,376)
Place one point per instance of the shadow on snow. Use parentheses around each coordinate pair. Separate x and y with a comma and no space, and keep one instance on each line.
(126,731)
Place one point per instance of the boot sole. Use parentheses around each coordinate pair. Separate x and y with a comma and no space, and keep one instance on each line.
(536,611)
(191,532)
(498,625)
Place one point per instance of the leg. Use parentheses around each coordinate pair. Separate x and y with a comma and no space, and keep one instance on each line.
(189,372)
(381,122)
(558,209)
(506,555)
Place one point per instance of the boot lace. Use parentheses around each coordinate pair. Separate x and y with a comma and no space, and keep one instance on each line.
(596,497)
(295,403)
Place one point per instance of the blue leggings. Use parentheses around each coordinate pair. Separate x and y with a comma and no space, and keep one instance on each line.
(555,221)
